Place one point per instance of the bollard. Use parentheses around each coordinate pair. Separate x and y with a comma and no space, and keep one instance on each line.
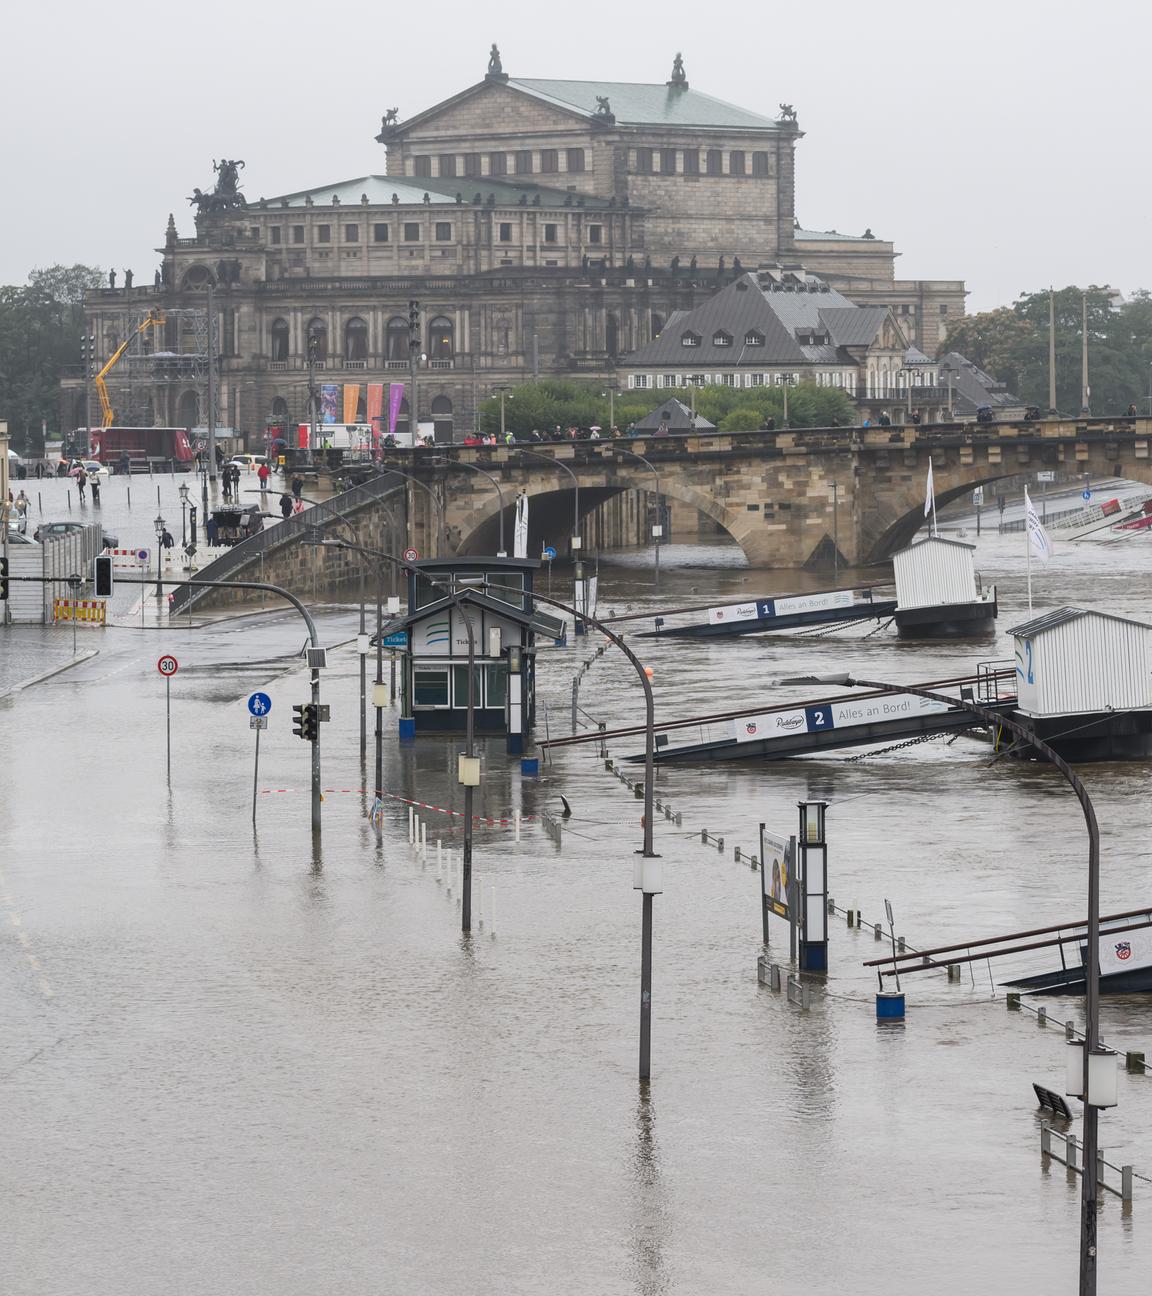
(439,855)
(736,855)
(423,836)
(411,825)
(953,971)
(889,1005)
(901,944)
(1069,1030)
(517,822)
(831,905)
(1071,1151)
(679,820)
(479,900)
(877,932)
(667,812)
(850,914)
(492,911)
(1134,1061)
(1013,1001)
(1126,1183)
(1041,1016)
(720,845)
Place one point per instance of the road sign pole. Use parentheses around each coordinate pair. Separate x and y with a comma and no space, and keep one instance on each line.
(256,774)
(168,709)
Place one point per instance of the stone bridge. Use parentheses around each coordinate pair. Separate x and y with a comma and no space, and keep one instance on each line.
(772,492)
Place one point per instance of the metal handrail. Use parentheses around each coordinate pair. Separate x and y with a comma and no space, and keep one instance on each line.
(285,532)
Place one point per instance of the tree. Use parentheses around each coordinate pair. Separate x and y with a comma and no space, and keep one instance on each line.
(41,325)
(1011,343)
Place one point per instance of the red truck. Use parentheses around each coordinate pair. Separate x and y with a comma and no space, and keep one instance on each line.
(141,445)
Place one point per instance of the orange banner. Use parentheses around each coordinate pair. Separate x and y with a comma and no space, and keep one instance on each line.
(351,401)
(375,408)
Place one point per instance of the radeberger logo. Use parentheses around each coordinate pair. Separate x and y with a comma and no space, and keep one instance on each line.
(1123,950)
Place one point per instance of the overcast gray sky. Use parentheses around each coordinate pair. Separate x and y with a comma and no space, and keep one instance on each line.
(1003,143)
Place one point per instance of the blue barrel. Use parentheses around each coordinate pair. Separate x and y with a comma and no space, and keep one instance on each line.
(407,728)
(890,1006)
(530,766)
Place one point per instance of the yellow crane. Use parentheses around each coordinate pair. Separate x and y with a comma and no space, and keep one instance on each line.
(154,319)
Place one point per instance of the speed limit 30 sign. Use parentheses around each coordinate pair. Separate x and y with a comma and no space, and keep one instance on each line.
(167,666)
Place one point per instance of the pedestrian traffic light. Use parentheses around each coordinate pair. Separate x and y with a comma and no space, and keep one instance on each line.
(304,722)
(102,576)
(3,579)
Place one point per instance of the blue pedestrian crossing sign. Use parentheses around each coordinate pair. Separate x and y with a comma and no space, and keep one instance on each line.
(259,704)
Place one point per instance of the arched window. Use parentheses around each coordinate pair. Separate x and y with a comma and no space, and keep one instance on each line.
(198,277)
(442,418)
(318,339)
(280,339)
(188,410)
(611,335)
(396,339)
(279,408)
(440,340)
(356,339)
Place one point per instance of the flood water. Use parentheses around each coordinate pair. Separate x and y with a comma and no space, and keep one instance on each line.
(237,1063)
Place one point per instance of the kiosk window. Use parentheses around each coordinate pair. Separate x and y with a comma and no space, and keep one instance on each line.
(460,686)
(495,685)
(430,686)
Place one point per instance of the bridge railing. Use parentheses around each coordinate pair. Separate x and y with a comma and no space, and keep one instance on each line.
(286,532)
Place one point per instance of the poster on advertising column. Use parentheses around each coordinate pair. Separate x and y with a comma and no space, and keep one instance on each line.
(775,872)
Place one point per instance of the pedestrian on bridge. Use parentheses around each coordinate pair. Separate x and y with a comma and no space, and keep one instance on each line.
(285,505)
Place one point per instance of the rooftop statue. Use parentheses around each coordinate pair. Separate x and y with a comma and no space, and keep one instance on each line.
(494,65)
(787,113)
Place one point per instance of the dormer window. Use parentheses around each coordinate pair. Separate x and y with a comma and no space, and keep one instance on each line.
(689,339)
(721,339)
(753,338)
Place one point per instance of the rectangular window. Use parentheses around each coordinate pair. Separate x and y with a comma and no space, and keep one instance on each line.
(943,308)
(254,230)
(644,161)
(411,232)
(691,161)
(297,233)
(549,161)
(759,164)
(506,586)
(640,380)
(422,166)
(460,686)
(430,686)
(443,231)
(323,233)
(380,233)
(471,164)
(447,164)
(575,161)
(595,233)
(274,233)
(506,232)
(495,685)
(728,380)
(667,161)
(756,380)
(715,162)
(497,164)
(351,233)
(549,233)
(736,162)
(524,162)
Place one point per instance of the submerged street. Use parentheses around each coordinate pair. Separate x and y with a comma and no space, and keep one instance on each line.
(238,1061)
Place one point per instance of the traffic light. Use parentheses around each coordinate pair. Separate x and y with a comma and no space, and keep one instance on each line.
(304,722)
(3,579)
(102,576)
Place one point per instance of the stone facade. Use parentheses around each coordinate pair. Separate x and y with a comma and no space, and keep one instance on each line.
(544,229)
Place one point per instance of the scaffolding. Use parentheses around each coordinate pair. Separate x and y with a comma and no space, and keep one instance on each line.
(151,381)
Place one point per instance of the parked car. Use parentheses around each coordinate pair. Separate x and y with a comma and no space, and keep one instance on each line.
(15,535)
(248,462)
(46,530)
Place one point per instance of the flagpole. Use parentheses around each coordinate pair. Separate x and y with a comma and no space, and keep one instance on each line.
(934,531)
(1028,544)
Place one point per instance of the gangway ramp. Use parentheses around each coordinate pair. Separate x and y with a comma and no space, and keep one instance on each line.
(856,719)
(769,614)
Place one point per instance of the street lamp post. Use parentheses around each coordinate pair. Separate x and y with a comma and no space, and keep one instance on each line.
(658,527)
(785,383)
(947,369)
(161,527)
(1091,1143)
(183,492)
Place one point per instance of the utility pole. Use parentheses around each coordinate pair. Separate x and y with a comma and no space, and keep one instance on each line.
(211,387)
(1086,391)
(1052,350)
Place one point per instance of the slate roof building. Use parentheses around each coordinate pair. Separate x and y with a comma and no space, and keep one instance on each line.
(783,324)
(546,227)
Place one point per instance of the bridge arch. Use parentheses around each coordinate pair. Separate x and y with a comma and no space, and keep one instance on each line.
(474,524)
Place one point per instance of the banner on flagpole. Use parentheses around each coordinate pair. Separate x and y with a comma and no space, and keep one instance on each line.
(351,401)
(930,490)
(1039,542)
(395,397)
(520,535)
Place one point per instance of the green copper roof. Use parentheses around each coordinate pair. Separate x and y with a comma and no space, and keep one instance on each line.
(645,105)
(410,190)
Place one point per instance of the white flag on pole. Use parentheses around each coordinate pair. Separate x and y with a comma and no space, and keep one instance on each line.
(930,492)
(1038,539)
(520,535)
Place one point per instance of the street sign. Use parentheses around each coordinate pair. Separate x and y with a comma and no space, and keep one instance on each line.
(978,496)
(549,553)
(142,554)
(397,639)
(1046,476)
(259,704)
(1085,495)
(257,722)
(167,666)
(411,555)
